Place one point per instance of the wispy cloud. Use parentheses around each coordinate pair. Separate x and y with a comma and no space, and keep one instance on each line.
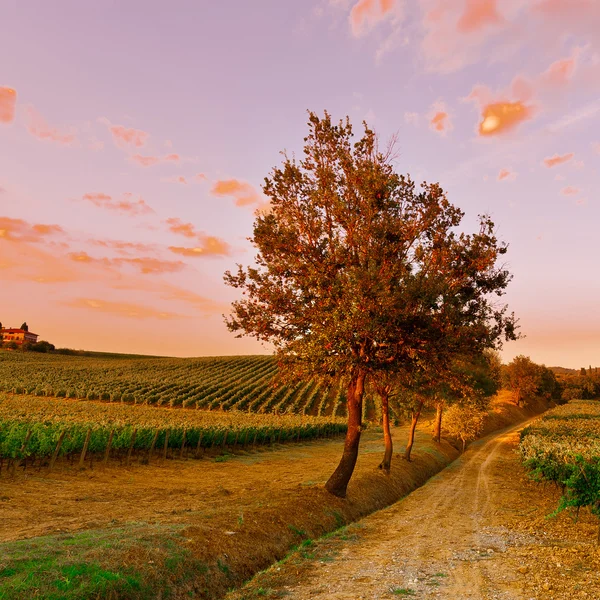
(128,136)
(126,205)
(145,265)
(149,161)
(122,309)
(506,175)
(366,14)
(570,191)
(557,159)
(39,128)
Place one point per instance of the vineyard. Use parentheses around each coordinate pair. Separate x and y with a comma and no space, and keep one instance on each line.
(224,383)
(564,447)
(44,429)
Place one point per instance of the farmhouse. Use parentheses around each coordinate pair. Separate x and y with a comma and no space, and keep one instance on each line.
(19,336)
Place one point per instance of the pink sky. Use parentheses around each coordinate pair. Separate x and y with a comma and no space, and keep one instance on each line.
(134,138)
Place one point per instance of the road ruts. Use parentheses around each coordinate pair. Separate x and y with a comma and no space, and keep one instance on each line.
(434,544)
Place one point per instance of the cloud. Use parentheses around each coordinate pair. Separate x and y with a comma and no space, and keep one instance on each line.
(439,119)
(366,14)
(122,309)
(8,101)
(553,161)
(124,248)
(501,115)
(243,193)
(179,227)
(127,136)
(17,230)
(581,114)
(209,246)
(145,161)
(596,147)
(559,73)
(127,205)
(477,15)
(506,175)
(145,265)
(570,191)
(150,161)
(39,128)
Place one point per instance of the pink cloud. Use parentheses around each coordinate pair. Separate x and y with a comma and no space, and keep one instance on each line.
(439,119)
(366,14)
(143,264)
(498,115)
(570,191)
(199,177)
(596,147)
(506,174)
(209,246)
(127,136)
(149,161)
(180,228)
(123,247)
(243,193)
(553,161)
(127,205)
(39,128)
(559,73)
(145,161)
(18,230)
(8,101)
(477,15)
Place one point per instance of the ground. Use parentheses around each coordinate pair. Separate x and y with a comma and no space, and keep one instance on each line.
(478,530)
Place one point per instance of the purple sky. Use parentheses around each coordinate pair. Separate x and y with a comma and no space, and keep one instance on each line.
(134,137)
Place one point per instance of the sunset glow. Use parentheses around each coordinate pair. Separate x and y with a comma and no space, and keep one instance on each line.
(135,139)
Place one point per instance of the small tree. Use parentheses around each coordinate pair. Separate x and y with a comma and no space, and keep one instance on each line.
(522,377)
(24,327)
(465,421)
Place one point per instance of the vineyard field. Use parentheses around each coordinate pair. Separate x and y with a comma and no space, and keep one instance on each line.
(238,383)
(37,428)
(563,447)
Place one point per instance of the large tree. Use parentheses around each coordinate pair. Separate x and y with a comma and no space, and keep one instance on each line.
(358,271)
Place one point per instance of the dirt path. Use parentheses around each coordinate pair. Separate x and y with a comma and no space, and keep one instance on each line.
(446,540)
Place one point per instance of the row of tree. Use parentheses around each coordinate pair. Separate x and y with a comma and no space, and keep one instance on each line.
(362,276)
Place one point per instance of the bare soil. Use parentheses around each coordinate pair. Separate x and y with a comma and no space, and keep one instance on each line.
(478,530)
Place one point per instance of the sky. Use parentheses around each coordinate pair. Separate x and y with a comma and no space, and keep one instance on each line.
(135,137)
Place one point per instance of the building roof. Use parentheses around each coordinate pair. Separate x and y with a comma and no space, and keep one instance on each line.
(12,330)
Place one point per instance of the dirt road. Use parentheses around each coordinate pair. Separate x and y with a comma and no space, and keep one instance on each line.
(446,540)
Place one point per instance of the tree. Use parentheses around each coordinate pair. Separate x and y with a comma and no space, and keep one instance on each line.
(358,273)
(522,377)
(465,421)
(24,327)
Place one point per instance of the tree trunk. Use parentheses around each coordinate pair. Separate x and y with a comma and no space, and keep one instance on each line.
(338,482)
(437,428)
(411,435)
(386,463)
